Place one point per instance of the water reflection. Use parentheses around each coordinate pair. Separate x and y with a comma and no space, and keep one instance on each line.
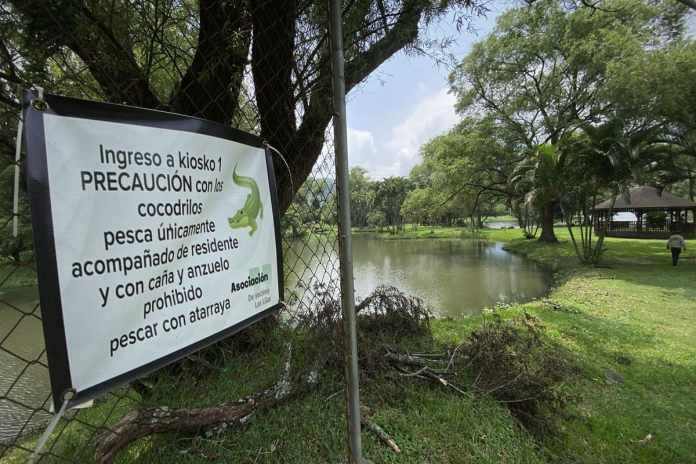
(24,381)
(456,277)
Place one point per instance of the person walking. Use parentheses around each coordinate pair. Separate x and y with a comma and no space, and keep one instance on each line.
(676,244)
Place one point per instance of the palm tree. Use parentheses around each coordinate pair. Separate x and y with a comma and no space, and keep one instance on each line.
(540,179)
(605,158)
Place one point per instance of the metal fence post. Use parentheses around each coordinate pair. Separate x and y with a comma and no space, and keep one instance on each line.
(350,333)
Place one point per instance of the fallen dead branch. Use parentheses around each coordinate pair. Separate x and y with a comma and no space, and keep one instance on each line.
(429,367)
(141,423)
(322,320)
(379,433)
(509,361)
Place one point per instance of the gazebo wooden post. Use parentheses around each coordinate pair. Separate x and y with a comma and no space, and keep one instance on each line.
(672,221)
(595,220)
(682,221)
(678,221)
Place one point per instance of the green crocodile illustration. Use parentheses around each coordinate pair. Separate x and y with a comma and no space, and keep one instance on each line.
(252,209)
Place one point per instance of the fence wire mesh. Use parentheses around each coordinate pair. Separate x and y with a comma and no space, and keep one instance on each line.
(262,67)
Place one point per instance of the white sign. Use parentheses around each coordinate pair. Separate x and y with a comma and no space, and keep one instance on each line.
(163,238)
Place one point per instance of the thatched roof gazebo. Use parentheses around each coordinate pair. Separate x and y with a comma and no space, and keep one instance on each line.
(656,214)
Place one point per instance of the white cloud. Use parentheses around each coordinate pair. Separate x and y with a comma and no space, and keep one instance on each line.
(361,146)
(431,116)
(691,24)
(362,151)
(390,152)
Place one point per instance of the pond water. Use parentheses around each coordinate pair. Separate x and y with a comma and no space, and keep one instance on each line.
(504,224)
(454,277)
(23,386)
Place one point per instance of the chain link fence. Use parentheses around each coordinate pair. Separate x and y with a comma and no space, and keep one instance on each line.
(262,67)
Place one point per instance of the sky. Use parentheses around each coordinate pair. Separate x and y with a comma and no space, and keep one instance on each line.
(406,102)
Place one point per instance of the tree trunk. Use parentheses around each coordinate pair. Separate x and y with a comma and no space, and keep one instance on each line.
(547,233)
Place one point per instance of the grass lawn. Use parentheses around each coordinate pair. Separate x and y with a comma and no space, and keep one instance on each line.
(631,324)
(411,232)
(636,317)
(12,275)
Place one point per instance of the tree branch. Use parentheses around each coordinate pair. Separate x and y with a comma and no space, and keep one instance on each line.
(211,85)
(144,422)
(690,3)
(112,64)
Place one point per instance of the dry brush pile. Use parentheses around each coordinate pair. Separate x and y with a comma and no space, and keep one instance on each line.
(509,360)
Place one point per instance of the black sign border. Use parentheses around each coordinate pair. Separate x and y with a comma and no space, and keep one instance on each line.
(43,232)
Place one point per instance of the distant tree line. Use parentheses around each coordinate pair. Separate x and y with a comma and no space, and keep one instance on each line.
(391,203)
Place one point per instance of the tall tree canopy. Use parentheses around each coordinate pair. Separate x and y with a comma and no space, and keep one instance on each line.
(544,71)
(656,88)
